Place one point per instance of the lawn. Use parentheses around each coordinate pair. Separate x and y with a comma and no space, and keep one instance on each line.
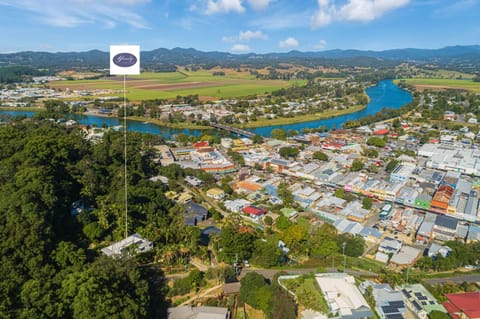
(439,84)
(168,85)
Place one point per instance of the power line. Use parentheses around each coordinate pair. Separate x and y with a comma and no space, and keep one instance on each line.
(125,152)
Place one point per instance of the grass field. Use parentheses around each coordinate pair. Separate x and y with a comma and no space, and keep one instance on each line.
(166,85)
(441,84)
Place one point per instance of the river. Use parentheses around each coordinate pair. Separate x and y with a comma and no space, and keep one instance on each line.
(385,94)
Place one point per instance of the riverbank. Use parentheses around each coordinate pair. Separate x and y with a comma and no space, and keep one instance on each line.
(257,124)
(301,118)
(384,94)
(179,126)
(22,109)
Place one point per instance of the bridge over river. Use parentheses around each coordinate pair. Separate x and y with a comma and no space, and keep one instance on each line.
(232,129)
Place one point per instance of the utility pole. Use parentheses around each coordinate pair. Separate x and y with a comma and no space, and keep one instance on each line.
(235,265)
(344,256)
(408,269)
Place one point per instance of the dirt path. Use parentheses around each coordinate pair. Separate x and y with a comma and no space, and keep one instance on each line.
(197,263)
(203,294)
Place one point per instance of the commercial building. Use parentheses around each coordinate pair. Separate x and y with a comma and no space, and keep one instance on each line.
(451,158)
(402,172)
(441,199)
(445,228)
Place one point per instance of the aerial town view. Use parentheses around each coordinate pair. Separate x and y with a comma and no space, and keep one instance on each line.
(240,159)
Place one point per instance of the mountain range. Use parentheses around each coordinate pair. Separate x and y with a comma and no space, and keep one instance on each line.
(179,56)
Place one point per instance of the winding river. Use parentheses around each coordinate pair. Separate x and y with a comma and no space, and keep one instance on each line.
(385,94)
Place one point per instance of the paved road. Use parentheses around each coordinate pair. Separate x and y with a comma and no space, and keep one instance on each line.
(455,279)
(269,273)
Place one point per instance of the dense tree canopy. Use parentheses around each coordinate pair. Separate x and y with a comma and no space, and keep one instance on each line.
(288,151)
(376,141)
(46,268)
(319,155)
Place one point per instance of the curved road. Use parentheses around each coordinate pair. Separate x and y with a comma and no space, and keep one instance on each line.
(456,279)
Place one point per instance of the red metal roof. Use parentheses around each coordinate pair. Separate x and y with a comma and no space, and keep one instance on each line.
(201,144)
(381,132)
(468,302)
(253,210)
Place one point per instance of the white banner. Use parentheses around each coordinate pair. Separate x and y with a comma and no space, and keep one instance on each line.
(124,59)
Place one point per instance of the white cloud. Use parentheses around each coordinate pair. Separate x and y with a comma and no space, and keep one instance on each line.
(246,36)
(321,18)
(249,35)
(259,4)
(367,10)
(240,48)
(288,43)
(224,6)
(321,44)
(72,13)
(353,10)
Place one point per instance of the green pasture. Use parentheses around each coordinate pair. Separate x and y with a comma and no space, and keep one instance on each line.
(445,83)
(228,86)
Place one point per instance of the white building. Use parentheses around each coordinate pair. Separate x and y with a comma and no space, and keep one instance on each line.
(236,205)
(134,243)
(451,158)
(402,172)
(342,296)
(192,180)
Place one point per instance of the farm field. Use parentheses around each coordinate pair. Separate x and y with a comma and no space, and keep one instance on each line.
(441,84)
(147,86)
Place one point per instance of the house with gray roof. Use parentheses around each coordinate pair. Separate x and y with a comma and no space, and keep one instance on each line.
(390,245)
(389,303)
(436,249)
(425,232)
(407,256)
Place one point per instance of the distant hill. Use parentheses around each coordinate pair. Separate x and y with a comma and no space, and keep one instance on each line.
(166,59)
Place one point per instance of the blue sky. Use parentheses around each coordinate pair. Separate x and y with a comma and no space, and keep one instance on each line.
(237,26)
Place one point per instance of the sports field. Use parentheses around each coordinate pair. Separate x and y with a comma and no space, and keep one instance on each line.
(166,85)
(442,84)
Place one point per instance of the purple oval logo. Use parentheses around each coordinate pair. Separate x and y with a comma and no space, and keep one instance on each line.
(124,60)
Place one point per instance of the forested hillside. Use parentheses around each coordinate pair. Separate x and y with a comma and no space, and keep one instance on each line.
(50,266)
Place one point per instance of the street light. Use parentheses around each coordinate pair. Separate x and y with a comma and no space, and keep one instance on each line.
(344,256)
